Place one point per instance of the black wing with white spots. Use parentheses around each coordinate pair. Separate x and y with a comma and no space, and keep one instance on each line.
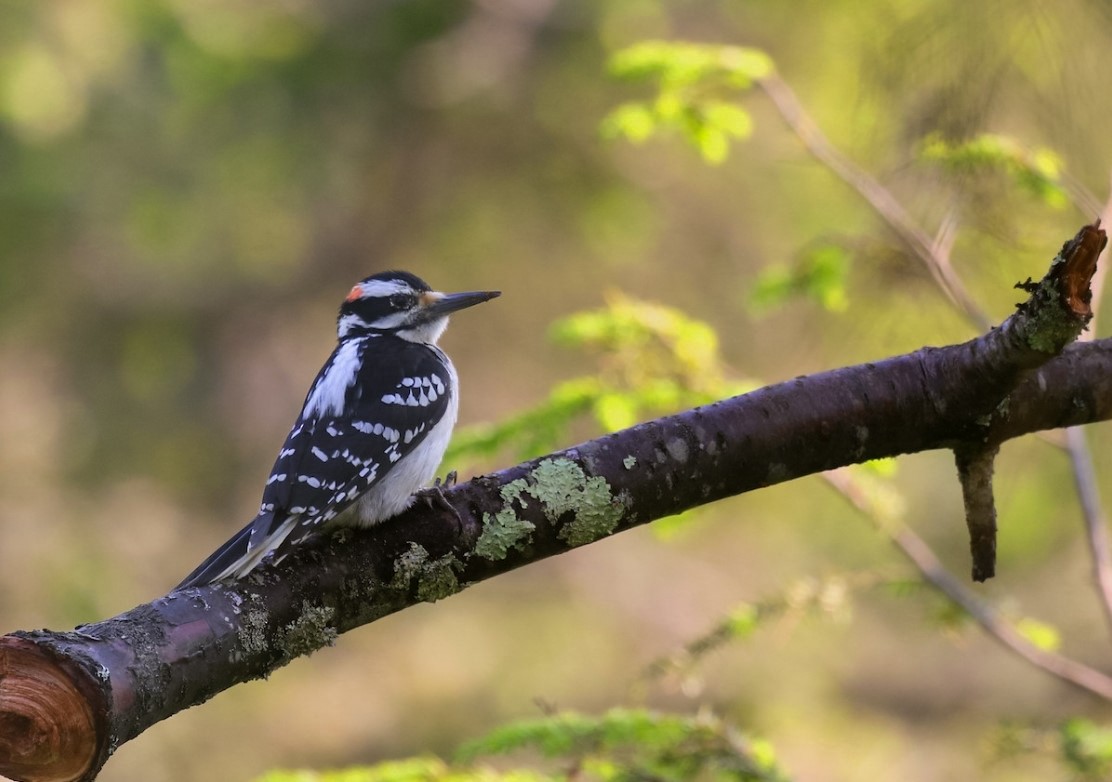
(358,421)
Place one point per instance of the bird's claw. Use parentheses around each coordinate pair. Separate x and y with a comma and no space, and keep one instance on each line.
(448,482)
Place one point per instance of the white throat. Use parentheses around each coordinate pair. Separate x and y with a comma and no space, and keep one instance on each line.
(427,333)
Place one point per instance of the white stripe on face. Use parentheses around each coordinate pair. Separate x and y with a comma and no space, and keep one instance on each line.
(382,288)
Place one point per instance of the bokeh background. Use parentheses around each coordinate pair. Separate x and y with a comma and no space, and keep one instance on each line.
(188,187)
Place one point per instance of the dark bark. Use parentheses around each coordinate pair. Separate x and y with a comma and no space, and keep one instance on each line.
(146,664)
(976,465)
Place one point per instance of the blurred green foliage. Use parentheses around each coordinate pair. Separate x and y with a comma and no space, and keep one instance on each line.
(1087,748)
(820,275)
(623,745)
(650,360)
(1083,746)
(690,80)
(1038,171)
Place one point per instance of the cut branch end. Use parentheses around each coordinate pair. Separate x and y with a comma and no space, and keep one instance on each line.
(47,728)
(1076,274)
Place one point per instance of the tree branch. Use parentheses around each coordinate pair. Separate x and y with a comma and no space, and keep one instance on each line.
(142,666)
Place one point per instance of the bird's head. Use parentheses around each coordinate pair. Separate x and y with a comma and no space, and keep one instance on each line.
(403,304)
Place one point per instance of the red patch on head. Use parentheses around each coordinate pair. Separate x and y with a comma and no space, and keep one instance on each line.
(355,293)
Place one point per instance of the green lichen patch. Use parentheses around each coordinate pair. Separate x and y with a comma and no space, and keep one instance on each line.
(438,579)
(1052,325)
(629,462)
(561,486)
(502,532)
(1058,309)
(252,632)
(311,630)
(435,578)
(408,566)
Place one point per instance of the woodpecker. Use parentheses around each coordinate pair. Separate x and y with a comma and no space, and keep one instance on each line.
(372,429)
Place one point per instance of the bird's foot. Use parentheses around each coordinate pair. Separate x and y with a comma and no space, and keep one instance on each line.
(435,499)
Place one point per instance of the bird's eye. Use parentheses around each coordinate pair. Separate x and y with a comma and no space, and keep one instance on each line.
(401,301)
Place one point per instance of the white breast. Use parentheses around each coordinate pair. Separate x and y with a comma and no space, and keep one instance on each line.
(394,492)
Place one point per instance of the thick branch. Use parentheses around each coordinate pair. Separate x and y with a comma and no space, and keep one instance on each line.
(146,664)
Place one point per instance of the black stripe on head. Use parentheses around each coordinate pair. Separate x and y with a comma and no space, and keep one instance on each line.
(412,280)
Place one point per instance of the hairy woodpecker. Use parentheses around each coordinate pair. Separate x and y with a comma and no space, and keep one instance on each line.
(372,430)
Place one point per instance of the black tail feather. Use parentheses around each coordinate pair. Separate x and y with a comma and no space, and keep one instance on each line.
(220,560)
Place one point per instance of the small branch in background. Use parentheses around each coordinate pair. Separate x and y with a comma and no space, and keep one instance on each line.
(828,595)
(944,238)
(934,572)
(1082,198)
(1078,674)
(1081,459)
(878,197)
(1096,524)
(975,468)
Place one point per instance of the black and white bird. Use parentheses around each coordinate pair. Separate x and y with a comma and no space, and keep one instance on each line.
(372,430)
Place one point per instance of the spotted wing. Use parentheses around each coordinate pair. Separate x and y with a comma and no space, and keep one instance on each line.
(329,460)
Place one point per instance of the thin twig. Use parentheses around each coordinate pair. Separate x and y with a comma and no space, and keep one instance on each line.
(943,244)
(878,197)
(1096,525)
(920,555)
(1081,197)
(934,572)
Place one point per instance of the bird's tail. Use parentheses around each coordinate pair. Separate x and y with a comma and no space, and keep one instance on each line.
(237,557)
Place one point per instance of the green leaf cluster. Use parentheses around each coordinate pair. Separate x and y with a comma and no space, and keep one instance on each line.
(691,80)
(1037,170)
(1082,746)
(1086,748)
(819,275)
